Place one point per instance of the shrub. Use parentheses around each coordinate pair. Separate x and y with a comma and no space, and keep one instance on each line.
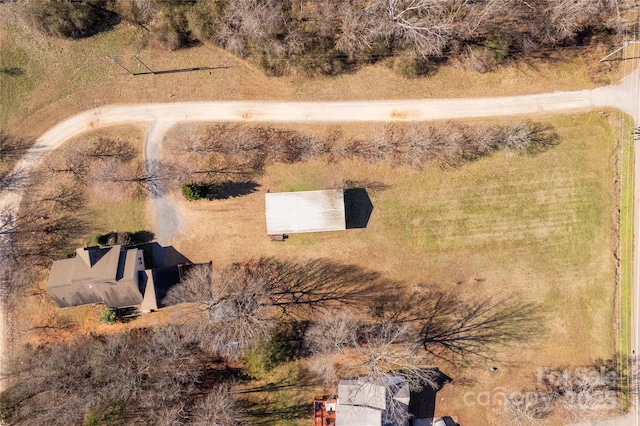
(94,240)
(121,238)
(71,19)
(194,191)
(263,358)
(107,316)
(109,413)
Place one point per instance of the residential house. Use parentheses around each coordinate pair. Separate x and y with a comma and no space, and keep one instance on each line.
(108,275)
(383,402)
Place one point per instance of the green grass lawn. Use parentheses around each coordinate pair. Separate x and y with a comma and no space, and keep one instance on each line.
(626,250)
(21,70)
(125,216)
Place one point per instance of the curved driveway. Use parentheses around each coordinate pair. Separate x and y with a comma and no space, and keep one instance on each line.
(162,116)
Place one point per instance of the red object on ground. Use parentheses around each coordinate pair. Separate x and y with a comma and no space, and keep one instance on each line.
(324,410)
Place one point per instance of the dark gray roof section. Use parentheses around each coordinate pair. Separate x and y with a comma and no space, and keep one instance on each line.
(106,275)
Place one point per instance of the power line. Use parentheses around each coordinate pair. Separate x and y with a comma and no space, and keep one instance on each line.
(143,64)
(115,61)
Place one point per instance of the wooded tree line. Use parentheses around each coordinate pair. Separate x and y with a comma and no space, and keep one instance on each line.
(239,152)
(232,154)
(333,36)
(149,376)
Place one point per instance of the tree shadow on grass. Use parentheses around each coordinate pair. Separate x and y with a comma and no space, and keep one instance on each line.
(263,413)
(12,71)
(230,189)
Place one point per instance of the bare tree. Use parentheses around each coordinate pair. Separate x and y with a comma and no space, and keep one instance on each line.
(580,393)
(450,327)
(354,34)
(217,407)
(526,408)
(292,288)
(258,20)
(100,148)
(240,316)
(113,179)
(391,349)
(315,285)
(244,303)
(40,233)
(139,12)
(525,136)
(149,370)
(69,160)
(425,25)
(216,154)
(335,331)
(77,157)
(377,353)
(566,18)
(235,305)
(195,287)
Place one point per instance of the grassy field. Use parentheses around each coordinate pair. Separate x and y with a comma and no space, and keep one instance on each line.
(626,248)
(540,227)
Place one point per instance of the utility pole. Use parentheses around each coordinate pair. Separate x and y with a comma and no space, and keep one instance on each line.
(143,64)
(624,45)
(115,61)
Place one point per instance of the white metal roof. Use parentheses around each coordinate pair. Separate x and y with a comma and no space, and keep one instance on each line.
(307,211)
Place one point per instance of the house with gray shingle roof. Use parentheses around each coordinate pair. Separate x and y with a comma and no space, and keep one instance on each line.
(109,275)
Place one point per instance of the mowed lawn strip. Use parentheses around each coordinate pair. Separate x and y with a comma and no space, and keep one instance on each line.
(538,226)
(626,247)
